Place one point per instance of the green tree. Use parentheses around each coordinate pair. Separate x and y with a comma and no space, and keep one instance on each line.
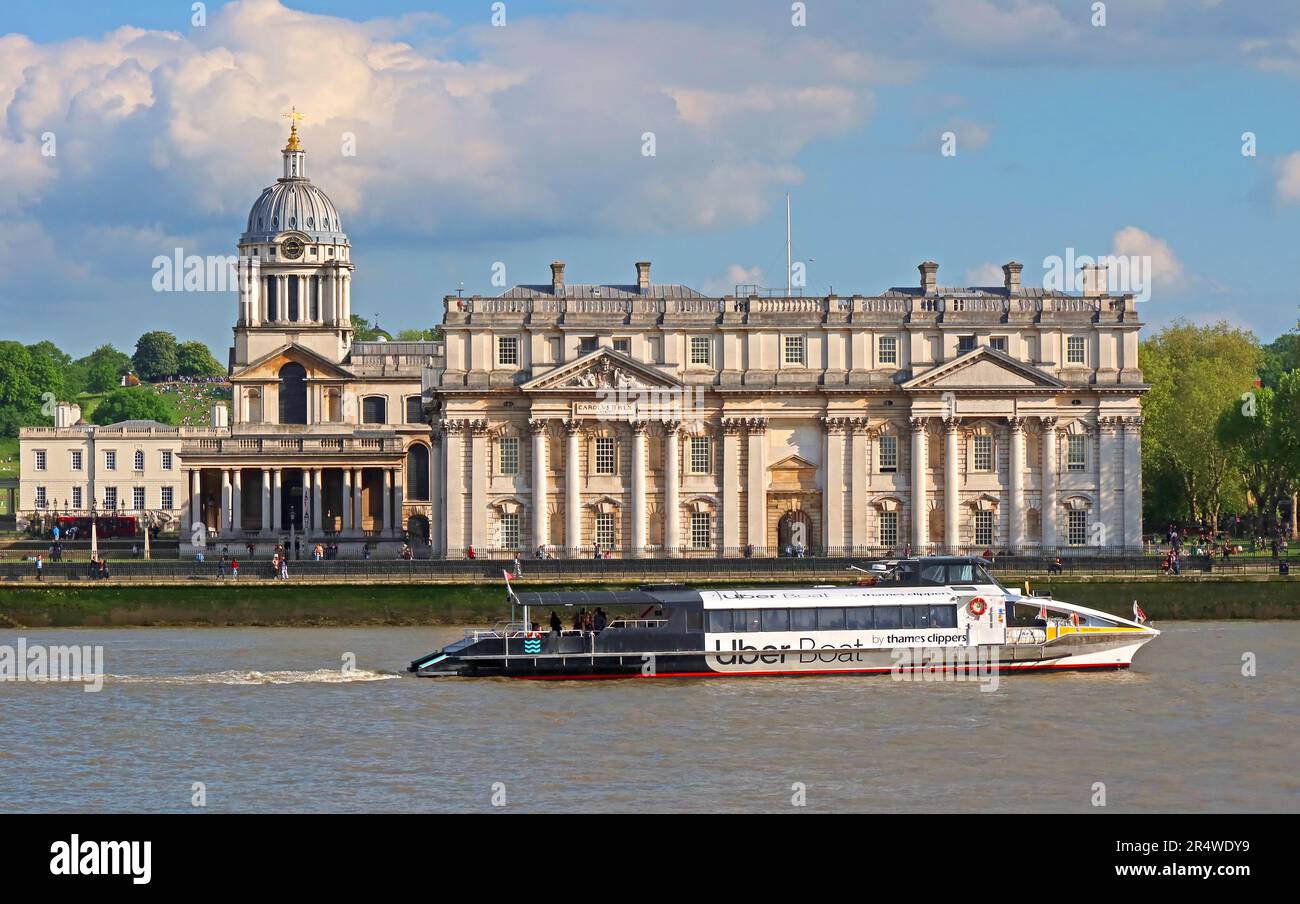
(194,359)
(1195,373)
(1280,356)
(20,389)
(104,368)
(362,331)
(1252,432)
(155,356)
(415,335)
(136,403)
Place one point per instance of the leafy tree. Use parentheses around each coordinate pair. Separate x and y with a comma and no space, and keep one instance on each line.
(362,331)
(20,389)
(194,359)
(1195,373)
(139,403)
(100,371)
(415,335)
(1252,432)
(155,356)
(1280,356)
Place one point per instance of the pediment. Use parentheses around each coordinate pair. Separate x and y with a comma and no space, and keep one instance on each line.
(984,369)
(602,369)
(793,463)
(268,366)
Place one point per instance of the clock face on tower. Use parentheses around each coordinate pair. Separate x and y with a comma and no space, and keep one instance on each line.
(292,248)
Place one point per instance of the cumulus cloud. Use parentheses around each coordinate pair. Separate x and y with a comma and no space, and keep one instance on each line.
(1166,269)
(736,275)
(1288,179)
(985,275)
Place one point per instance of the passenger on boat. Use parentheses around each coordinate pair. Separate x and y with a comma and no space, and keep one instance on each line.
(557,626)
(600,621)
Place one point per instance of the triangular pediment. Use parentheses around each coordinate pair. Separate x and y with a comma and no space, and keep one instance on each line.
(268,366)
(793,463)
(984,369)
(602,369)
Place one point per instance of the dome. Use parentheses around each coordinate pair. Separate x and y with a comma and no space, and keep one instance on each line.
(293,204)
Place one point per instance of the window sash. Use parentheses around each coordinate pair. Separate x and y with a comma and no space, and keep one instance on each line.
(510,531)
(1074,350)
(795,350)
(604,455)
(508,454)
(700,350)
(984,528)
(983,453)
(508,350)
(1076,453)
(605,531)
(889,528)
(1078,528)
(701,455)
(888,454)
(701,530)
(888,350)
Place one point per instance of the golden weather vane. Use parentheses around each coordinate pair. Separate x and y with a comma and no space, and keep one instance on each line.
(294,118)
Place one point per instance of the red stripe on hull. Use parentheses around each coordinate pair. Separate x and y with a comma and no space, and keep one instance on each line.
(801,673)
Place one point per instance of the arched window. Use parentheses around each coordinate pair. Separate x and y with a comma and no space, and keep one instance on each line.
(333,405)
(254,406)
(417,473)
(374,410)
(293,394)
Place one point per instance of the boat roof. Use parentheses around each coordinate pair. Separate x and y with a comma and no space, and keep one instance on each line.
(589,598)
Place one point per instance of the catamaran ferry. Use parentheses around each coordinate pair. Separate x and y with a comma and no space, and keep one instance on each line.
(919,614)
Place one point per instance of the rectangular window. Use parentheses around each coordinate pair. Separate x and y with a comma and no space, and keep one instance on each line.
(167,498)
(795,351)
(700,348)
(701,534)
(888,454)
(586,345)
(747,620)
(888,350)
(1076,452)
(76,460)
(857,617)
(414,410)
(623,346)
(40,460)
(983,453)
(137,498)
(137,460)
(510,531)
(508,351)
(110,460)
(110,498)
(803,619)
(167,460)
(1074,350)
(605,455)
(720,621)
(830,619)
(1078,532)
(983,528)
(889,529)
(701,455)
(41,501)
(999,343)
(605,531)
(76,497)
(965,344)
(508,454)
(776,619)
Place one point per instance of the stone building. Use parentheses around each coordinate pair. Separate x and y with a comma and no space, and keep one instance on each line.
(647,418)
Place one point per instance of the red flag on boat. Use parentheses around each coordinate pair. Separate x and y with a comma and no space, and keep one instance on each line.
(1042,611)
(1074,617)
(1138,615)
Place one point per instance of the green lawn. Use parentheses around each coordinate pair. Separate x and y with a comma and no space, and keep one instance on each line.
(8,456)
(192,403)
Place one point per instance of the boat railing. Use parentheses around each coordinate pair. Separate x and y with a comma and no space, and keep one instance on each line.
(1026,635)
(638,622)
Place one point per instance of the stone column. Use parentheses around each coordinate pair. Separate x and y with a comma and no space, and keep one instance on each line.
(572,494)
(236,499)
(951,484)
(537,427)
(387,526)
(730,480)
(277,518)
(1110,511)
(317,515)
(756,487)
(1016,484)
(196,500)
(478,461)
(225,500)
(672,478)
(453,459)
(860,477)
(920,530)
(345,525)
(639,523)
(437,506)
(1048,496)
(833,493)
(358,500)
(399,503)
(1133,484)
(266,500)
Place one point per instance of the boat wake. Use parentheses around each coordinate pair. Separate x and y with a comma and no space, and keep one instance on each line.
(246,677)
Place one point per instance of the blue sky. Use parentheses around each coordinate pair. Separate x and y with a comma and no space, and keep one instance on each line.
(522,145)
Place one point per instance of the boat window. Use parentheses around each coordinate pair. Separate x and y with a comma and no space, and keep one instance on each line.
(720,621)
(695,621)
(982,576)
(962,574)
(904,573)
(934,574)
(942,616)
(776,619)
(747,620)
(830,619)
(858,617)
(889,616)
(803,619)
(908,619)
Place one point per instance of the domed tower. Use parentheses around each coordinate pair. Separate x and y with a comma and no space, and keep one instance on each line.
(295,284)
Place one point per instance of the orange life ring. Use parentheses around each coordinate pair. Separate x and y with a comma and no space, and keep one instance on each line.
(977,606)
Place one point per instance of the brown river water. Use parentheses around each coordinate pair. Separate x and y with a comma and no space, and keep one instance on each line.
(267,720)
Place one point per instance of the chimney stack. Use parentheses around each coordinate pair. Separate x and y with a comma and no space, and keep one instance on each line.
(643,276)
(1094,281)
(557,278)
(63,415)
(1011,277)
(929,277)
(220,416)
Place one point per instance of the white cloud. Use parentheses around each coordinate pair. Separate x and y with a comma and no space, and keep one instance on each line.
(1166,269)
(1288,179)
(985,275)
(736,275)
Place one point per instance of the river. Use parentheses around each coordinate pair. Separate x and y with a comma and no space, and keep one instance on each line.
(267,720)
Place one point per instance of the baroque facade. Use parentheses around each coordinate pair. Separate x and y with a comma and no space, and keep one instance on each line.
(652,419)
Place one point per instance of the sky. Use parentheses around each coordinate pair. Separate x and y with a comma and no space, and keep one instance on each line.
(1164,129)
